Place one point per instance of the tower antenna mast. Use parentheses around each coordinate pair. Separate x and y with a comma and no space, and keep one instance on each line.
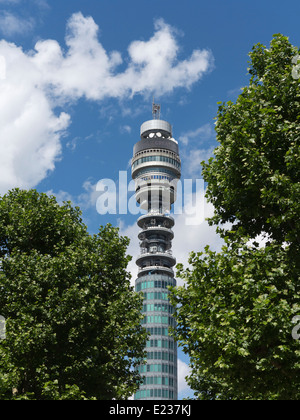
(155,110)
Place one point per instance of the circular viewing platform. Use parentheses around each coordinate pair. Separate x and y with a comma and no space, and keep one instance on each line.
(155,220)
(157,269)
(145,233)
(160,256)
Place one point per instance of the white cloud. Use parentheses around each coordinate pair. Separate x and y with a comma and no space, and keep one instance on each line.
(154,66)
(192,158)
(92,192)
(39,3)
(19,18)
(202,133)
(197,145)
(60,196)
(29,130)
(2,68)
(10,1)
(87,69)
(233,93)
(261,240)
(11,24)
(191,154)
(87,199)
(183,371)
(35,83)
(125,129)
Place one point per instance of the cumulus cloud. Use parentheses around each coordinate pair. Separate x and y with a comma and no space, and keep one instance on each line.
(29,130)
(87,69)
(154,66)
(35,82)
(33,85)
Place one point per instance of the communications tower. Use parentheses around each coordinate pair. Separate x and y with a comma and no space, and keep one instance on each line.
(156,168)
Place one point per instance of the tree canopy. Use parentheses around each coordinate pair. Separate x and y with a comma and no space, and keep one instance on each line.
(72,319)
(235,312)
(253,180)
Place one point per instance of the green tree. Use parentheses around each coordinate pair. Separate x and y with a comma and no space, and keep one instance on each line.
(253,181)
(235,313)
(72,319)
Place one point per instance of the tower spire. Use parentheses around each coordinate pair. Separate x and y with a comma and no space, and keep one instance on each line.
(155,110)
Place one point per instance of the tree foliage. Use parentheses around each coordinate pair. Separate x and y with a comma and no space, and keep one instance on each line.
(253,180)
(236,310)
(72,319)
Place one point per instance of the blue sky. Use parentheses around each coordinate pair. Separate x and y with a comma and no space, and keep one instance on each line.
(77,80)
